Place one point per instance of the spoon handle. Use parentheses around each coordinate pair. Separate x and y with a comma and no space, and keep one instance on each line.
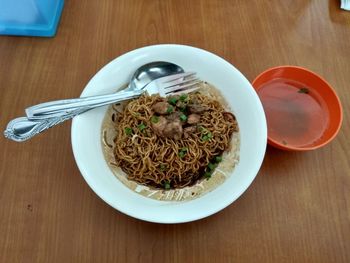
(62,108)
(46,115)
(22,128)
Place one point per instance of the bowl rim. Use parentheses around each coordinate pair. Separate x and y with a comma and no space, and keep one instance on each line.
(210,210)
(281,146)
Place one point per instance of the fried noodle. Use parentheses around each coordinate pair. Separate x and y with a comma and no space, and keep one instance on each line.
(153,160)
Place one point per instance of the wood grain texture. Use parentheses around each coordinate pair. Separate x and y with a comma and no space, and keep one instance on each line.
(297,209)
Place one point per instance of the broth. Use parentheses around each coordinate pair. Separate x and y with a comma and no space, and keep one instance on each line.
(296,114)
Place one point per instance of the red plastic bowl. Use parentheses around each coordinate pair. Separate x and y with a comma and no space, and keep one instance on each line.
(303,111)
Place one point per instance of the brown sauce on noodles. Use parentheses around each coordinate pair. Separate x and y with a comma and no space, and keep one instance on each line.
(145,162)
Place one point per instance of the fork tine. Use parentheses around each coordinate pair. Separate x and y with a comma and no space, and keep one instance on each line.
(176,77)
(178,81)
(166,85)
(182,87)
(186,81)
(185,91)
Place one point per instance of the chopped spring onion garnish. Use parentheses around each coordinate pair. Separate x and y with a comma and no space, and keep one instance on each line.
(183,152)
(170,109)
(207,175)
(303,90)
(162,167)
(183,97)
(211,166)
(218,159)
(128,131)
(172,100)
(207,137)
(154,119)
(141,127)
(183,117)
(167,185)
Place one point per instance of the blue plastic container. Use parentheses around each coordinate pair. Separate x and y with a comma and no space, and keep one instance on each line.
(30,17)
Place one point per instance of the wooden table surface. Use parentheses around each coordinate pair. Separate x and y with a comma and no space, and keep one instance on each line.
(297,209)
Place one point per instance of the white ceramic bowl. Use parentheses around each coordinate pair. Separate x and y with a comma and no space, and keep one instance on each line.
(242,98)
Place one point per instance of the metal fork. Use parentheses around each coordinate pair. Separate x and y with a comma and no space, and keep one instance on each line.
(174,84)
(46,115)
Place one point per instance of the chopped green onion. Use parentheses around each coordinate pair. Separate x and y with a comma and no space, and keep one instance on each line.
(170,109)
(211,166)
(207,175)
(141,127)
(183,117)
(162,167)
(183,109)
(209,170)
(218,159)
(303,90)
(207,137)
(183,152)
(284,142)
(203,130)
(167,185)
(183,97)
(172,100)
(128,131)
(154,119)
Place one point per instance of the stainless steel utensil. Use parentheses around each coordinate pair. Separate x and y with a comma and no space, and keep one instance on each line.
(140,79)
(24,128)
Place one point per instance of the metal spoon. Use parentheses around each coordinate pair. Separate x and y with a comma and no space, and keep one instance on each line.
(151,71)
(24,128)
(143,76)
